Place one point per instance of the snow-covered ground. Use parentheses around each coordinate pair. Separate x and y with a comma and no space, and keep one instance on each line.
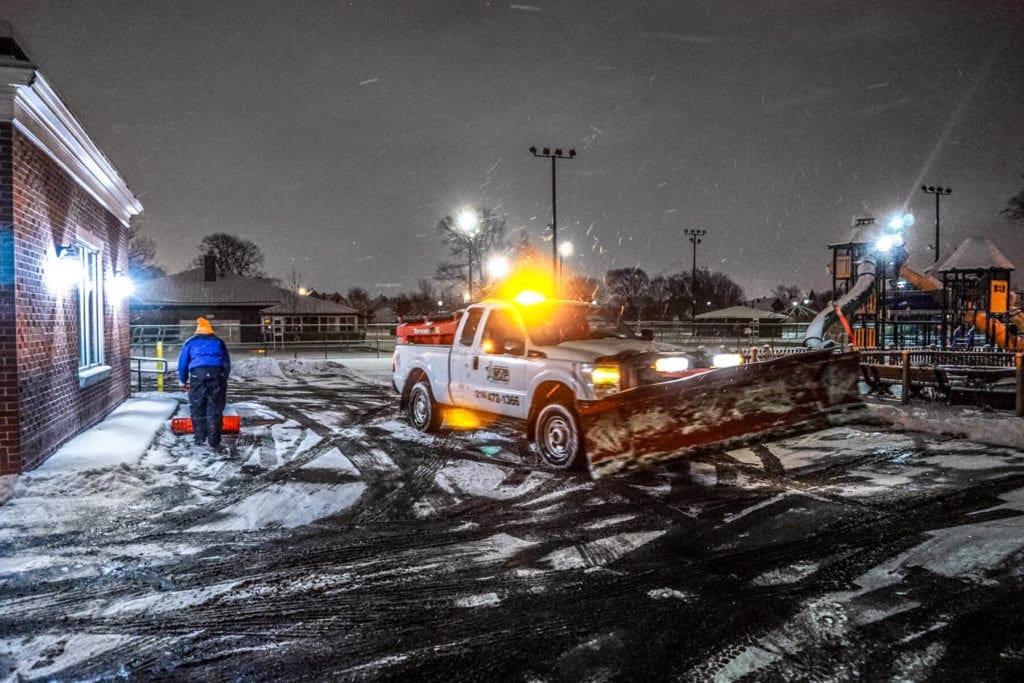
(127,498)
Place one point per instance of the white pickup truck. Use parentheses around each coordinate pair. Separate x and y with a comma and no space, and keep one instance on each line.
(538,364)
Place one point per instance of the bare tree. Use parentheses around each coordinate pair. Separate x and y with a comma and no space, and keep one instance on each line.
(787,294)
(142,263)
(359,299)
(488,239)
(627,287)
(233,255)
(1014,210)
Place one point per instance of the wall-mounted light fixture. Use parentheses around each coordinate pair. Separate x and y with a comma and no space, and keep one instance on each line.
(121,286)
(68,251)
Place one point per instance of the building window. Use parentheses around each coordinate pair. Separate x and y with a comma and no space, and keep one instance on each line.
(90,309)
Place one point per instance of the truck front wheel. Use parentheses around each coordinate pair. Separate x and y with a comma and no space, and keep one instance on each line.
(423,411)
(558,436)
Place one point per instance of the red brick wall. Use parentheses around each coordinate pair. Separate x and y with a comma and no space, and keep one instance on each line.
(48,209)
(10,430)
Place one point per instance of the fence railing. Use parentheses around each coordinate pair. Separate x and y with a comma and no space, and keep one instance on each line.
(979,374)
(261,339)
(738,334)
(156,368)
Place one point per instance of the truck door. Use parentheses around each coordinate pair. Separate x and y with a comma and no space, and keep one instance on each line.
(497,381)
(464,354)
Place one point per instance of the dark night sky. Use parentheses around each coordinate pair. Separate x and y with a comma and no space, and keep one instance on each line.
(335,135)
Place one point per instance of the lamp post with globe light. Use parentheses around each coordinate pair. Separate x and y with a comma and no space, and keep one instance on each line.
(469,224)
(892,253)
(565,250)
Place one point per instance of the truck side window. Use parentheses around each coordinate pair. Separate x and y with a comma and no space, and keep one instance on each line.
(469,329)
(504,333)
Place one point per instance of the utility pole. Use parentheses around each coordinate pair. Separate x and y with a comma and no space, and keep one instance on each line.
(938,192)
(554,156)
(694,236)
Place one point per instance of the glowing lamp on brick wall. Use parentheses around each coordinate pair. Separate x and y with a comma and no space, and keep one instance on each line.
(121,286)
(63,268)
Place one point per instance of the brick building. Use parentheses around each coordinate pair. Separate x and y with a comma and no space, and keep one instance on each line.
(64,213)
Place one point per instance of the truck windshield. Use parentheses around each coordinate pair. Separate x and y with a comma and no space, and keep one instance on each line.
(555,322)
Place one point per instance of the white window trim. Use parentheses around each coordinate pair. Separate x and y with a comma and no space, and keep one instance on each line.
(97,357)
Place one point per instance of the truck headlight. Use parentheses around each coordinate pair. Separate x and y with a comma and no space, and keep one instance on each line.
(672,364)
(727,360)
(603,379)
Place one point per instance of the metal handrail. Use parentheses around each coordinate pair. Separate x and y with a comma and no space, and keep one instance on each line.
(161,367)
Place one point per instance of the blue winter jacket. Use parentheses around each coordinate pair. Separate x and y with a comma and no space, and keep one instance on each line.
(203,351)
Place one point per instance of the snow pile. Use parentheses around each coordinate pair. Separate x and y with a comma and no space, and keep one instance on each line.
(7,483)
(372,370)
(987,427)
(249,368)
(312,368)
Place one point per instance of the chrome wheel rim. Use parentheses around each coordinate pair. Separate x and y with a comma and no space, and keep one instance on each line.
(420,408)
(558,440)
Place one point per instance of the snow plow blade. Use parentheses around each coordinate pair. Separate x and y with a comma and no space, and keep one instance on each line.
(720,409)
(231,422)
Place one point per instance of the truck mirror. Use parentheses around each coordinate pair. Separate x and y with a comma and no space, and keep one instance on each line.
(516,347)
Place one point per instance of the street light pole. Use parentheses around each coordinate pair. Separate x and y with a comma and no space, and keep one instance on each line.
(565,250)
(554,156)
(468,222)
(938,192)
(694,236)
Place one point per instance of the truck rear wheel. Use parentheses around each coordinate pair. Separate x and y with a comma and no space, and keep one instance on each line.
(423,411)
(558,436)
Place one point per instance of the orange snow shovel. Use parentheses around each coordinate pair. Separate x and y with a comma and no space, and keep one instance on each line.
(231,422)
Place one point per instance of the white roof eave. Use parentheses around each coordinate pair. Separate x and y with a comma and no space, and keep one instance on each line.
(41,116)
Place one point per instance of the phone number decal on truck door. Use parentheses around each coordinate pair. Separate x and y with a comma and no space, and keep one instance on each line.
(495,397)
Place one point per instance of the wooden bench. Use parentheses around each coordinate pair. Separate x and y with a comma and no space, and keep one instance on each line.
(987,387)
(881,378)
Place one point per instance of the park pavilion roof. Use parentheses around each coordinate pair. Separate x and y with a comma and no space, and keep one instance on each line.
(976,253)
(740,313)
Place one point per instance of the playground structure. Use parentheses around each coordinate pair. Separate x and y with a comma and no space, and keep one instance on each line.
(966,302)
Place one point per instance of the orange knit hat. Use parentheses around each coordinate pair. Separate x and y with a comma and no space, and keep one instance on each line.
(203,326)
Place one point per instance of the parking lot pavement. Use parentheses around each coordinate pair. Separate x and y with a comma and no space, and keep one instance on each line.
(333,541)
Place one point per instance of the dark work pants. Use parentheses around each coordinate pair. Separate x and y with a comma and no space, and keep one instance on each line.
(207,393)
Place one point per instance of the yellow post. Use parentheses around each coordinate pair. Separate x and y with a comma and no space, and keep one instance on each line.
(905,394)
(159,366)
(1019,358)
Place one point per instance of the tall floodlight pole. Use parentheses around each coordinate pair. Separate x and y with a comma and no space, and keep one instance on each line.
(694,236)
(938,192)
(554,156)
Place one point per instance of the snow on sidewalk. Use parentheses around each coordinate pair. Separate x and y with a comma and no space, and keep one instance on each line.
(121,439)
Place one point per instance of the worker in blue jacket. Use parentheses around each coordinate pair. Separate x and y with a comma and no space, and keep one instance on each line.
(203,368)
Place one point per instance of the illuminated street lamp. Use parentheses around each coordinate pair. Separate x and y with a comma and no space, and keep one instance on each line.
(565,250)
(469,223)
(892,252)
(498,267)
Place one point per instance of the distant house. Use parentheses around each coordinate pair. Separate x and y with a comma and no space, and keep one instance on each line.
(242,309)
(768,303)
(64,216)
(382,312)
